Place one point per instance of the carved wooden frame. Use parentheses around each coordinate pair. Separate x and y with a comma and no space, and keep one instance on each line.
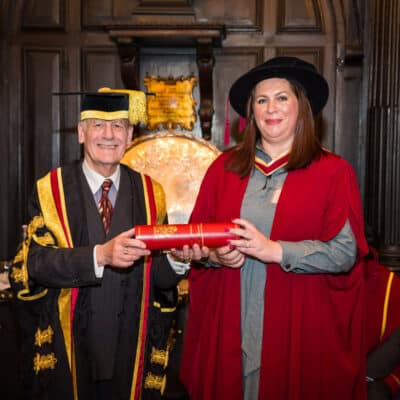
(203,37)
(282,28)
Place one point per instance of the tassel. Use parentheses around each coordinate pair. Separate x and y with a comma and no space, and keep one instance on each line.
(227,133)
(242,124)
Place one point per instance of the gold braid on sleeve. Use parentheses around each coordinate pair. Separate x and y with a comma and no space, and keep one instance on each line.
(19,274)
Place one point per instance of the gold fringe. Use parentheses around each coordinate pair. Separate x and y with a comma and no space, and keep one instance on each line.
(137,104)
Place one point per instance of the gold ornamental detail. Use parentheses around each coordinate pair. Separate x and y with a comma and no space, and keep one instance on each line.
(18,274)
(43,336)
(165,230)
(45,361)
(159,356)
(155,382)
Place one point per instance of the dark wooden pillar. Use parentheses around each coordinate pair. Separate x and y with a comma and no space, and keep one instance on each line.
(205,63)
(129,54)
(382,201)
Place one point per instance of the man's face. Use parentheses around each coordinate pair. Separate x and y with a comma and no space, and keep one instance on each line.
(104,143)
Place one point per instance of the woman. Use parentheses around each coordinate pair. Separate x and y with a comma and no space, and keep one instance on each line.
(278,314)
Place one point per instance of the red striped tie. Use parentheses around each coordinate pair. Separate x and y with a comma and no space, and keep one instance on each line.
(105,206)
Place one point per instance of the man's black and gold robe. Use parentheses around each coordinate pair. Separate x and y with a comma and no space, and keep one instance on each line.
(78,328)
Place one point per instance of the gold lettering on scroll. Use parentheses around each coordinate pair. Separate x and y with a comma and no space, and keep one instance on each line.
(172,104)
(165,230)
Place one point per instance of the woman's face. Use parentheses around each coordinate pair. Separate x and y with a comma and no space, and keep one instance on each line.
(275,108)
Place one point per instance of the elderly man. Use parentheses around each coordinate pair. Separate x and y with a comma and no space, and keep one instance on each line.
(94,303)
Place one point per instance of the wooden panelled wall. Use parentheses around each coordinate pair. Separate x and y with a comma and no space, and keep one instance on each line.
(64,45)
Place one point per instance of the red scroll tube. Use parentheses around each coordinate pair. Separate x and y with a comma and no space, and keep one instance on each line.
(163,237)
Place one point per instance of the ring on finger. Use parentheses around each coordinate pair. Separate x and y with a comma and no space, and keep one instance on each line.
(125,250)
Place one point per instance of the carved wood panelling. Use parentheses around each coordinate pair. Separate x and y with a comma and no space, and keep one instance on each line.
(230,64)
(299,16)
(174,7)
(97,12)
(355,12)
(313,55)
(100,68)
(240,15)
(40,140)
(348,142)
(237,15)
(43,14)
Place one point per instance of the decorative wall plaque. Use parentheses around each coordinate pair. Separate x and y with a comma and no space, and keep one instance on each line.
(172,103)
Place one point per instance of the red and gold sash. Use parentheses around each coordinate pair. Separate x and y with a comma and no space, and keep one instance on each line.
(52,203)
(155,211)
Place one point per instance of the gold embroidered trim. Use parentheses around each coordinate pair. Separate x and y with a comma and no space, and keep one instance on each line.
(137,376)
(17,274)
(20,275)
(44,336)
(161,205)
(106,115)
(386,303)
(159,356)
(57,223)
(42,362)
(163,309)
(155,382)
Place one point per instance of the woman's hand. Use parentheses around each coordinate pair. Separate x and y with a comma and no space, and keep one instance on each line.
(187,253)
(255,244)
(227,256)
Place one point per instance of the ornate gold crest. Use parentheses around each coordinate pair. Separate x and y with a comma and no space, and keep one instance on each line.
(173,103)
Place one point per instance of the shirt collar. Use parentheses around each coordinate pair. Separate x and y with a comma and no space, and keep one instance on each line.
(95,180)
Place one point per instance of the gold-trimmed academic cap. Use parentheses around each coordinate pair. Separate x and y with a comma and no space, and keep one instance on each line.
(107,106)
(136,103)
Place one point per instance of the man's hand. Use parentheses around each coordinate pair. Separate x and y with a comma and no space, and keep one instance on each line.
(121,251)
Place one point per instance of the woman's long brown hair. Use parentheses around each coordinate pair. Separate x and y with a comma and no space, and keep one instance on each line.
(305,148)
